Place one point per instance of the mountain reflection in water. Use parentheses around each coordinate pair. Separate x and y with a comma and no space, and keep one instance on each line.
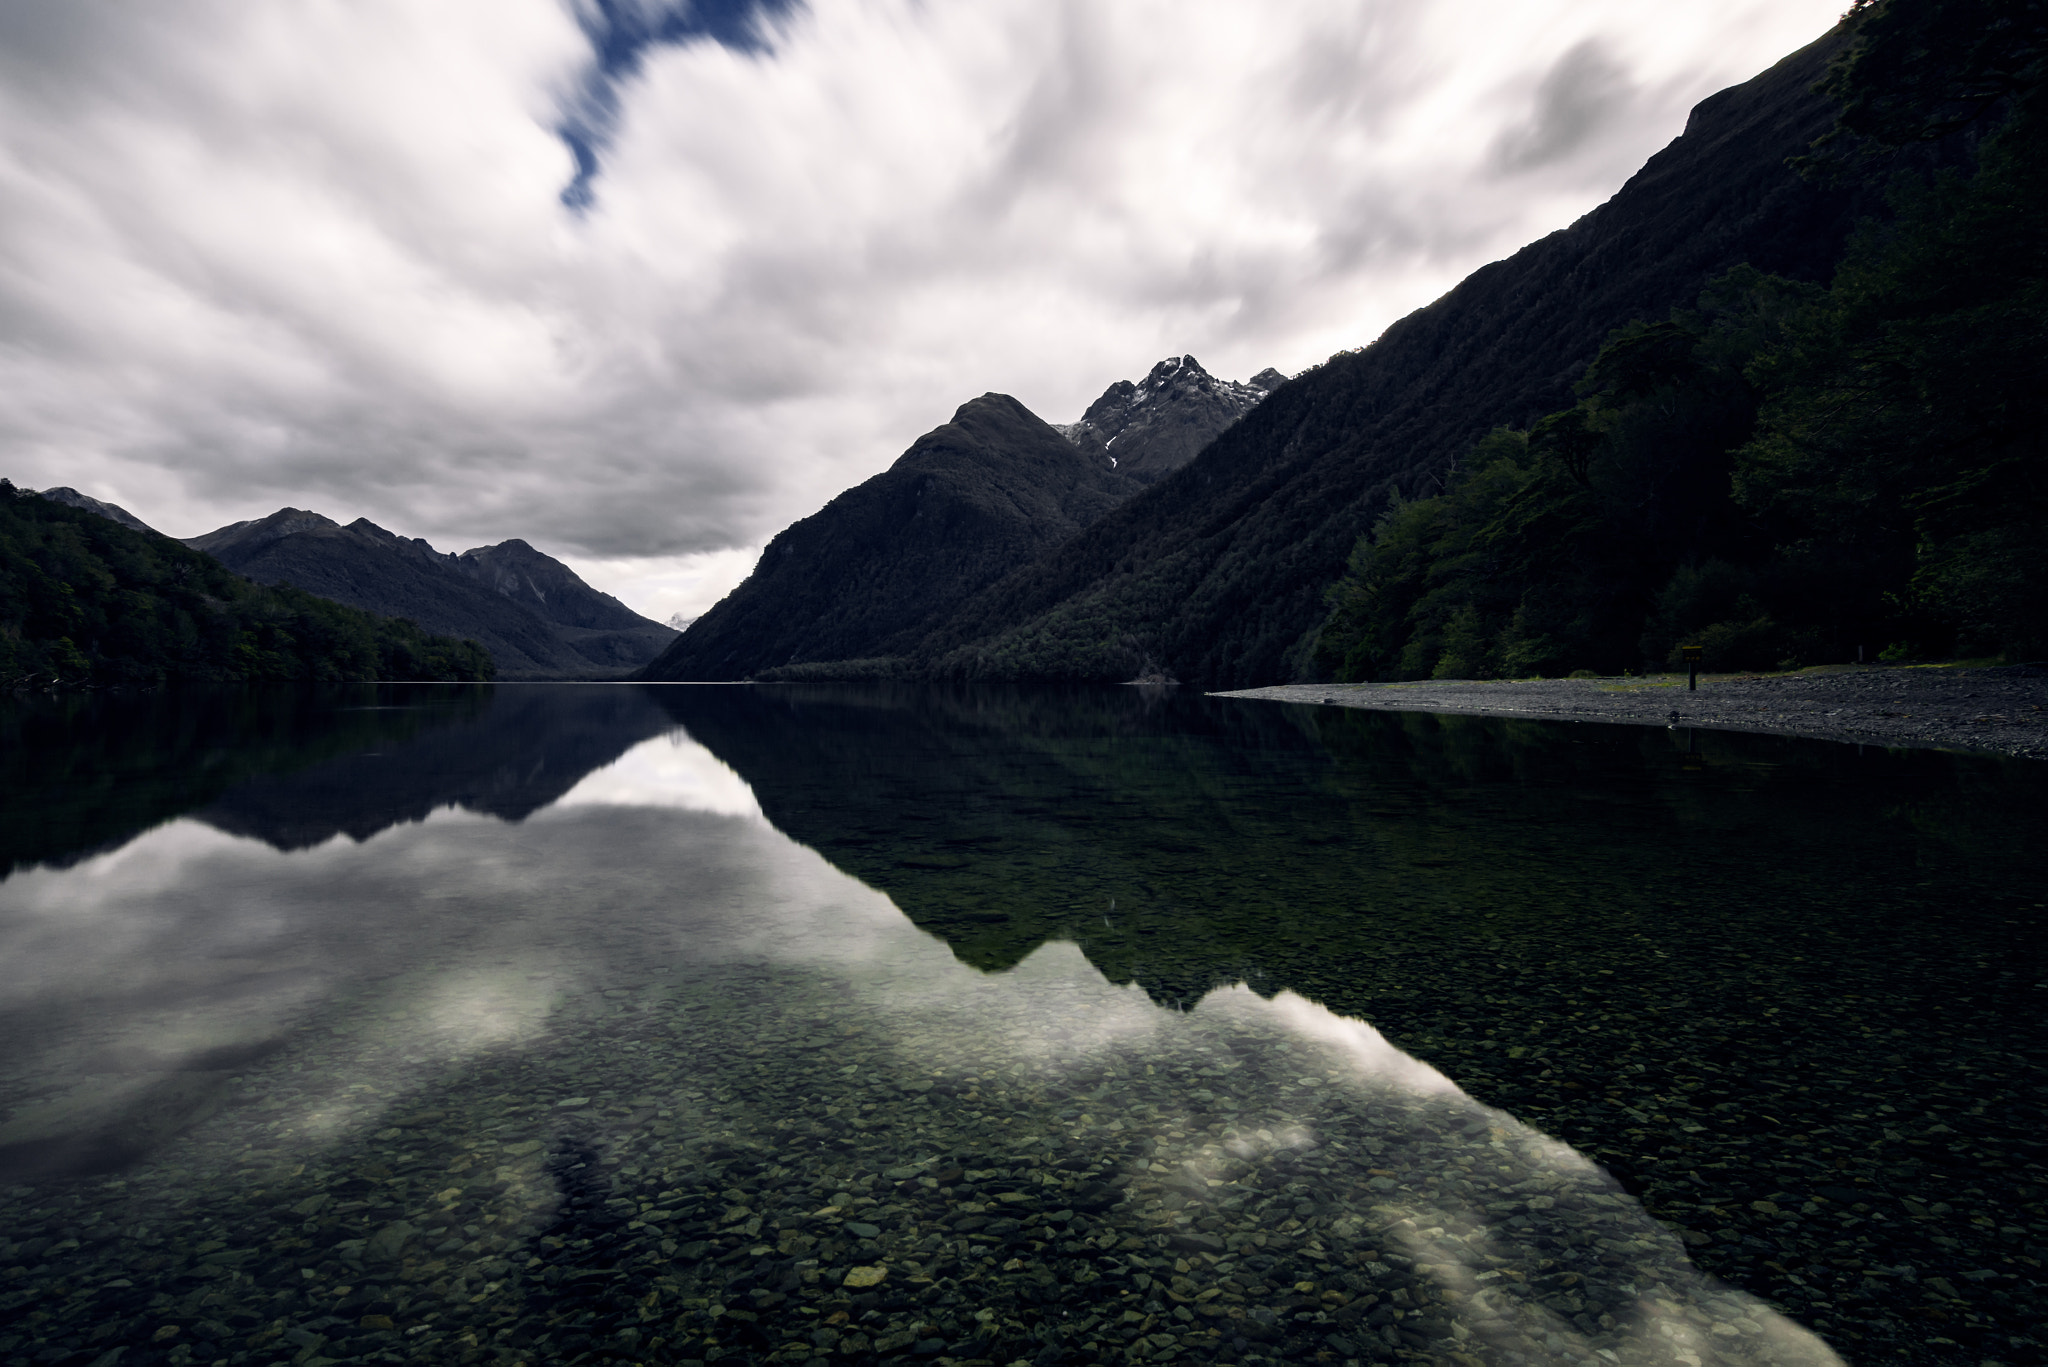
(569,1048)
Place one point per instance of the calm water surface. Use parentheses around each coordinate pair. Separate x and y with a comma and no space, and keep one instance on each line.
(578,1023)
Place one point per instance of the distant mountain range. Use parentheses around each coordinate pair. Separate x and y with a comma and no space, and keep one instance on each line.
(870,575)
(90,596)
(532,612)
(535,616)
(1215,571)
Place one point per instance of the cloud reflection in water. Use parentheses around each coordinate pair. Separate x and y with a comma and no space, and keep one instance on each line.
(649,970)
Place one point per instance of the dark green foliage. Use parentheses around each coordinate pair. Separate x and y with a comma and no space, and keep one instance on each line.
(1216,574)
(1903,439)
(1784,476)
(86,600)
(1924,69)
(1548,550)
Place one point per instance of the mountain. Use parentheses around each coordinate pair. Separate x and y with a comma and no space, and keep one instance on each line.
(872,571)
(113,512)
(850,590)
(1216,573)
(1157,425)
(530,611)
(595,625)
(85,600)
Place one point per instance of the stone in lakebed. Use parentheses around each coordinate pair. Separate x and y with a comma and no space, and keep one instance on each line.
(859,1277)
(387,1245)
(866,1231)
(571,1103)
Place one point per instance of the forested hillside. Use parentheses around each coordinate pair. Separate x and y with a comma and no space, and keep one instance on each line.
(1782,474)
(84,599)
(861,580)
(532,612)
(1217,574)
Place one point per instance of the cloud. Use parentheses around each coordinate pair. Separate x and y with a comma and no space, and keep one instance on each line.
(1584,93)
(320,255)
(620,33)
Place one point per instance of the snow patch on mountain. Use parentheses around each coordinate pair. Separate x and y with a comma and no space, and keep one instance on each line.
(1159,423)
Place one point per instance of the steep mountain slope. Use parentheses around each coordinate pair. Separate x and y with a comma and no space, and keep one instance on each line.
(869,573)
(1152,428)
(113,512)
(531,612)
(1216,574)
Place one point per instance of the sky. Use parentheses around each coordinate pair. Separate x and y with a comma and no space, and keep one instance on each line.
(644,281)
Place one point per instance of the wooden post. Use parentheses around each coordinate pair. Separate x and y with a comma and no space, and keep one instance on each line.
(1692,666)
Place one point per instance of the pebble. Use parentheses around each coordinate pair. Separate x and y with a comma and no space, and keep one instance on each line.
(1203,1173)
(1379,1214)
(2000,709)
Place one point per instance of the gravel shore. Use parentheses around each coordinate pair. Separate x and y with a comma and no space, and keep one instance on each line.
(2002,709)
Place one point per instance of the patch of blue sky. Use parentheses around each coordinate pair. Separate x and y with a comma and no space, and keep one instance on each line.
(620,32)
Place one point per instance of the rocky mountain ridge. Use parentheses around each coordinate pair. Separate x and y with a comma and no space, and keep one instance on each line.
(1153,427)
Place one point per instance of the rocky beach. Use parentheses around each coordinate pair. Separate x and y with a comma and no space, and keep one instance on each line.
(2001,709)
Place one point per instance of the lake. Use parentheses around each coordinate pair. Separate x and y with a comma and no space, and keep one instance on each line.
(553,1024)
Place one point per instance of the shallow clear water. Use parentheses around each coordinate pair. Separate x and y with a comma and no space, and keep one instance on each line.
(550,1024)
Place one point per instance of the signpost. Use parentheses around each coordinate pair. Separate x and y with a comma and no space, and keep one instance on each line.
(1692,666)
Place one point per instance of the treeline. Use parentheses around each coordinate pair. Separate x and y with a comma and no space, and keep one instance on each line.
(1784,474)
(87,601)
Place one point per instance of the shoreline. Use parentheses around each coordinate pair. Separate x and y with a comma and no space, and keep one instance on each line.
(1986,709)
